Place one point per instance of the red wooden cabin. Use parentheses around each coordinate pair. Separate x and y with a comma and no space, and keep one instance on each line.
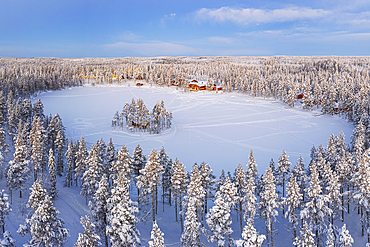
(300,96)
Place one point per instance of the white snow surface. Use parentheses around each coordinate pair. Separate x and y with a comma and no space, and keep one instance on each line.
(218,128)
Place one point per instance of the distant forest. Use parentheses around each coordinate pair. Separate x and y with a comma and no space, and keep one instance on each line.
(311,197)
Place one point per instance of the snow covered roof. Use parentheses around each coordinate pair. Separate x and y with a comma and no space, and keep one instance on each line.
(198,82)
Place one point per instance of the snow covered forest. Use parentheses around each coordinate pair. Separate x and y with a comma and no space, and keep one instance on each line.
(136,116)
(312,202)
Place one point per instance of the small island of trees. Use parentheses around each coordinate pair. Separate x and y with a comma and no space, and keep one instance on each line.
(137,117)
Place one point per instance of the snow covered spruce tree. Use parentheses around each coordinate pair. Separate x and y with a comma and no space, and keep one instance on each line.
(308,100)
(193,209)
(88,238)
(333,192)
(39,152)
(282,172)
(195,189)
(122,221)
(345,171)
(157,236)
(250,236)
(60,146)
(102,149)
(55,125)
(138,161)
(36,196)
(45,227)
(316,209)
(292,203)
(38,110)
(358,142)
(330,236)
(111,157)
(26,130)
(208,182)
(341,146)
(320,168)
(3,150)
(326,176)
(252,171)
(99,209)
(43,216)
(53,191)
(17,171)
(123,162)
(3,109)
(268,204)
(191,233)
(71,165)
(35,199)
(332,155)
(219,216)
(4,210)
(93,173)
(166,163)
(306,238)
(221,180)
(362,195)
(166,182)
(148,182)
(117,120)
(240,184)
(11,116)
(249,204)
(81,156)
(345,239)
(7,240)
(300,173)
(291,97)
(179,183)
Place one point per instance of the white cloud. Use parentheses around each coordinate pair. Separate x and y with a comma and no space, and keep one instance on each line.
(356,20)
(264,33)
(167,18)
(170,16)
(249,16)
(357,37)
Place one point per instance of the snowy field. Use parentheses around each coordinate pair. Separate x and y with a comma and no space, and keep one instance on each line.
(218,128)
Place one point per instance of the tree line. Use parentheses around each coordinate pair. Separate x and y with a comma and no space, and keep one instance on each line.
(336,85)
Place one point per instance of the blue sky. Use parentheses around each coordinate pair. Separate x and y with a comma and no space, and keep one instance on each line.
(91,28)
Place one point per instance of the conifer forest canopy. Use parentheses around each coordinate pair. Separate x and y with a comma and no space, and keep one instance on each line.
(113,191)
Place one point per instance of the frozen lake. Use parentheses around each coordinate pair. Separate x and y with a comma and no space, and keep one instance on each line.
(218,128)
